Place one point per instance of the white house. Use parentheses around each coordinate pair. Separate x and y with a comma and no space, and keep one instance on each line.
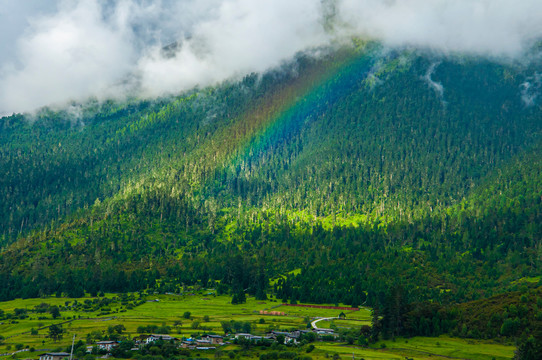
(54,356)
(154,337)
(107,345)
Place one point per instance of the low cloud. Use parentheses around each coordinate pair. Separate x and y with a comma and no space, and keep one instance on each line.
(437,86)
(71,50)
(530,90)
(245,36)
(72,54)
(481,27)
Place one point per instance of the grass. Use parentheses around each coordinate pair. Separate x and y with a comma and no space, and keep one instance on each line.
(363,314)
(450,347)
(423,348)
(356,352)
(339,324)
(169,309)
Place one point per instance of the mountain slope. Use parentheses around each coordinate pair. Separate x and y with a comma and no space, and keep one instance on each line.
(364,168)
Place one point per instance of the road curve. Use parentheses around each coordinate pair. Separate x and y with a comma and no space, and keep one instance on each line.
(313,324)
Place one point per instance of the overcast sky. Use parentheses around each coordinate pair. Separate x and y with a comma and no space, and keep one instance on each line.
(52,52)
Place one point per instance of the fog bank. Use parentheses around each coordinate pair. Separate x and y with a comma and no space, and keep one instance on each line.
(70,50)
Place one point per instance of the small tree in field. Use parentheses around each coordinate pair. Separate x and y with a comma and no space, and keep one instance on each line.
(55,312)
(55,332)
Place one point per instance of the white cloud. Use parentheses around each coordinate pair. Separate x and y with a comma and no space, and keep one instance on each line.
(71,55)
(245,36)
(74,49)
(437,86)
(530,89)
(483,27)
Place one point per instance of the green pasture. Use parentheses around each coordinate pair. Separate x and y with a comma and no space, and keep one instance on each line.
(15,327)
(326,350)
(363,314)
(450,347)
(422,348)
(327,324)
(169,310)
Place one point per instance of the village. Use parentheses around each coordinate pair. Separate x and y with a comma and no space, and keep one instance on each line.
(106,348)
(193,324)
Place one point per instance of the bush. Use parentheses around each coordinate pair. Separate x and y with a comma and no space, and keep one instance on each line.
(363,341)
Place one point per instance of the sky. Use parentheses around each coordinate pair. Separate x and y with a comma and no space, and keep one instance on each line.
(57,51)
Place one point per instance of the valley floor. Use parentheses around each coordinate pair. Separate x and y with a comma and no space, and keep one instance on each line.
(88,317)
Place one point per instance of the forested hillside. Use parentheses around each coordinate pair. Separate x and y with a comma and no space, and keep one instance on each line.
(363,168)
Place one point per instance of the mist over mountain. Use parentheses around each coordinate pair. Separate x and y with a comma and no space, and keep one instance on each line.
(71,50)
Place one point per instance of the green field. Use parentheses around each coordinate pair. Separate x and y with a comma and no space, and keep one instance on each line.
(422,348)
(451,347)
(363,314)
(347,323)
(169,309)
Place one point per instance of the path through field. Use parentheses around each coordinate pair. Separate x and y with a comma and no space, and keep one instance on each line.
(313,324)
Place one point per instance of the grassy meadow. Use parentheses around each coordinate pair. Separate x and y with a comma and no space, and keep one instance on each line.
(206,313)
(420,348)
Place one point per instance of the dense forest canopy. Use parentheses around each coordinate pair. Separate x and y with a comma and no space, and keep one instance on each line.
(365,168)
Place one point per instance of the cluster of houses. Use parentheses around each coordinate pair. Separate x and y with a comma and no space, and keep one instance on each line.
(205,342)
(289,337)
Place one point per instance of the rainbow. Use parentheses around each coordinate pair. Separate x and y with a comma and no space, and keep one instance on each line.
(282,113)
(304,102)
